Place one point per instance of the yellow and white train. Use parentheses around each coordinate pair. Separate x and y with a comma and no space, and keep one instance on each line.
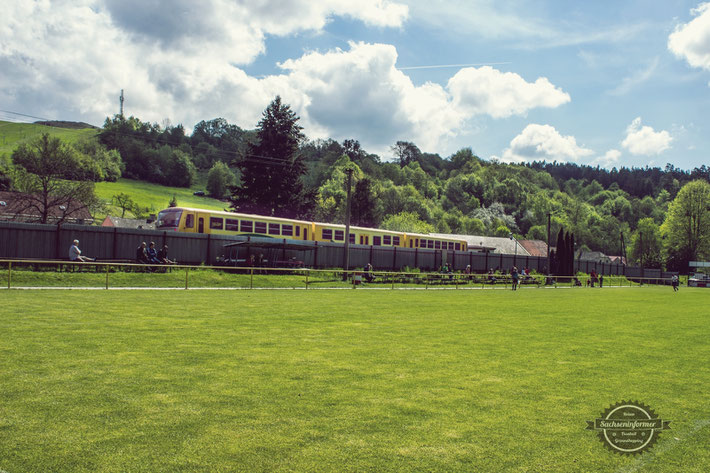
(184,219)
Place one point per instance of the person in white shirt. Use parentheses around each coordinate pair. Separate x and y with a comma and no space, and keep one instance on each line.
(75,253)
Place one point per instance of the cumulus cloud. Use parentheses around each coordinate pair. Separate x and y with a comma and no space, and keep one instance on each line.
(644,140)
(485,90)
(691,41)
(543,143)
(185,61)
(609,160)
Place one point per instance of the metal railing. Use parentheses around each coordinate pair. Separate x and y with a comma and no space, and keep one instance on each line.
(107,275)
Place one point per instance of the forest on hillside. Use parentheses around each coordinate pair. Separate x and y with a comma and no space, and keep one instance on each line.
(274,169)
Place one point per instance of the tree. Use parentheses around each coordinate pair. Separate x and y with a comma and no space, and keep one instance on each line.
(405,152)
(364,206)
(272,170)
(406,222)
(687,225)
(646,244)
(219,180)
(46,170)
(124,201)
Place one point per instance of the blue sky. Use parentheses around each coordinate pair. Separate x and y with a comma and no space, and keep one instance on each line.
(608,83)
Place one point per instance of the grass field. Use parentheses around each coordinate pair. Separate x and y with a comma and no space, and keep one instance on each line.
(12,134)
(154,196)
(148,381)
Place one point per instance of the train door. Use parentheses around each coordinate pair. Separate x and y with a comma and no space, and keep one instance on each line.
(201,225)
(305,233)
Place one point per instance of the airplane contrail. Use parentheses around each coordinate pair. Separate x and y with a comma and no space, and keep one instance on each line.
(441,66)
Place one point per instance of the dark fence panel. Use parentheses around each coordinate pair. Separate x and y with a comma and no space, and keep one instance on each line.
(24,240)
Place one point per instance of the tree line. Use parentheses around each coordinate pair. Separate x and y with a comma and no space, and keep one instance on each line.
(660,214)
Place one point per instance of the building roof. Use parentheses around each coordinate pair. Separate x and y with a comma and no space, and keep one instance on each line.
(111,221)
(535,247)
(493,244)
(19,207)
(597,256)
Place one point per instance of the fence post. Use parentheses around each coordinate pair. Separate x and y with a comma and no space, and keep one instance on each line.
(107,276)
(187,271)
(9,273)
(392,279)
(251,279)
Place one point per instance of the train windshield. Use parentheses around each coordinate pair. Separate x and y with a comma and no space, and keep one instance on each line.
(169,218)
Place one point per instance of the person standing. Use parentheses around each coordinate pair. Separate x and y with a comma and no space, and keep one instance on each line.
(515,275)
(601,280)
(674,282)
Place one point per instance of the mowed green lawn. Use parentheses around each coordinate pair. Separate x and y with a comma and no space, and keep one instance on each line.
(150,381)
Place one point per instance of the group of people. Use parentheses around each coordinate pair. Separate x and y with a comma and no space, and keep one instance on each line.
(594,278)
(147,254)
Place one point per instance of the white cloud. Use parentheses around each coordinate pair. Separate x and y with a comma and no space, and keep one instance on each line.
(69,59)
(636,79)
(523,24)
(543,142)
(182,60)
(644,140)
(609,160)
(485,90)
(691,41)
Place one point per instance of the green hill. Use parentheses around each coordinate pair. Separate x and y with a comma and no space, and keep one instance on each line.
(154,196)
(12,134)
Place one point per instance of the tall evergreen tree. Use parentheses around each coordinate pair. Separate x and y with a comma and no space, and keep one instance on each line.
(560,253)
(272,169)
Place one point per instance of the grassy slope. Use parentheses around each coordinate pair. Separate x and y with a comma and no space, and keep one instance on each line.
(347,380)
(145,194)
(12,134)
(155,196)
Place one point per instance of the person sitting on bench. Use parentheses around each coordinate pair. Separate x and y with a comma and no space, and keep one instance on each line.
(75,253)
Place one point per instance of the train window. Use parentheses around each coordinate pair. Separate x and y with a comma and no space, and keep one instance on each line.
(260,227)
(190,221)
(395,240)
(274,229)
(216,223)
(437,245)
(287,230)
(362,240)
(339,235)
(430,244)
(377,241)
(422,243)
(327,234)
(352,238)
(232,225)
(458,246)
(247,226)
(387,240)
(298,230)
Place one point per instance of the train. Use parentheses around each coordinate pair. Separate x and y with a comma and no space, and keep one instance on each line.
(216,222)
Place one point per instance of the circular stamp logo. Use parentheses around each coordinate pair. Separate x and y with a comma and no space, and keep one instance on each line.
(628,427)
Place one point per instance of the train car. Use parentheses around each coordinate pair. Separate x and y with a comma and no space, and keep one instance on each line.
(419,240)
(216,222)
(335,233)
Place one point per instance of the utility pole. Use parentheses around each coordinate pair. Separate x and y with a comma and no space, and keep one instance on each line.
(121,100)
(346,250)
(549,215)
